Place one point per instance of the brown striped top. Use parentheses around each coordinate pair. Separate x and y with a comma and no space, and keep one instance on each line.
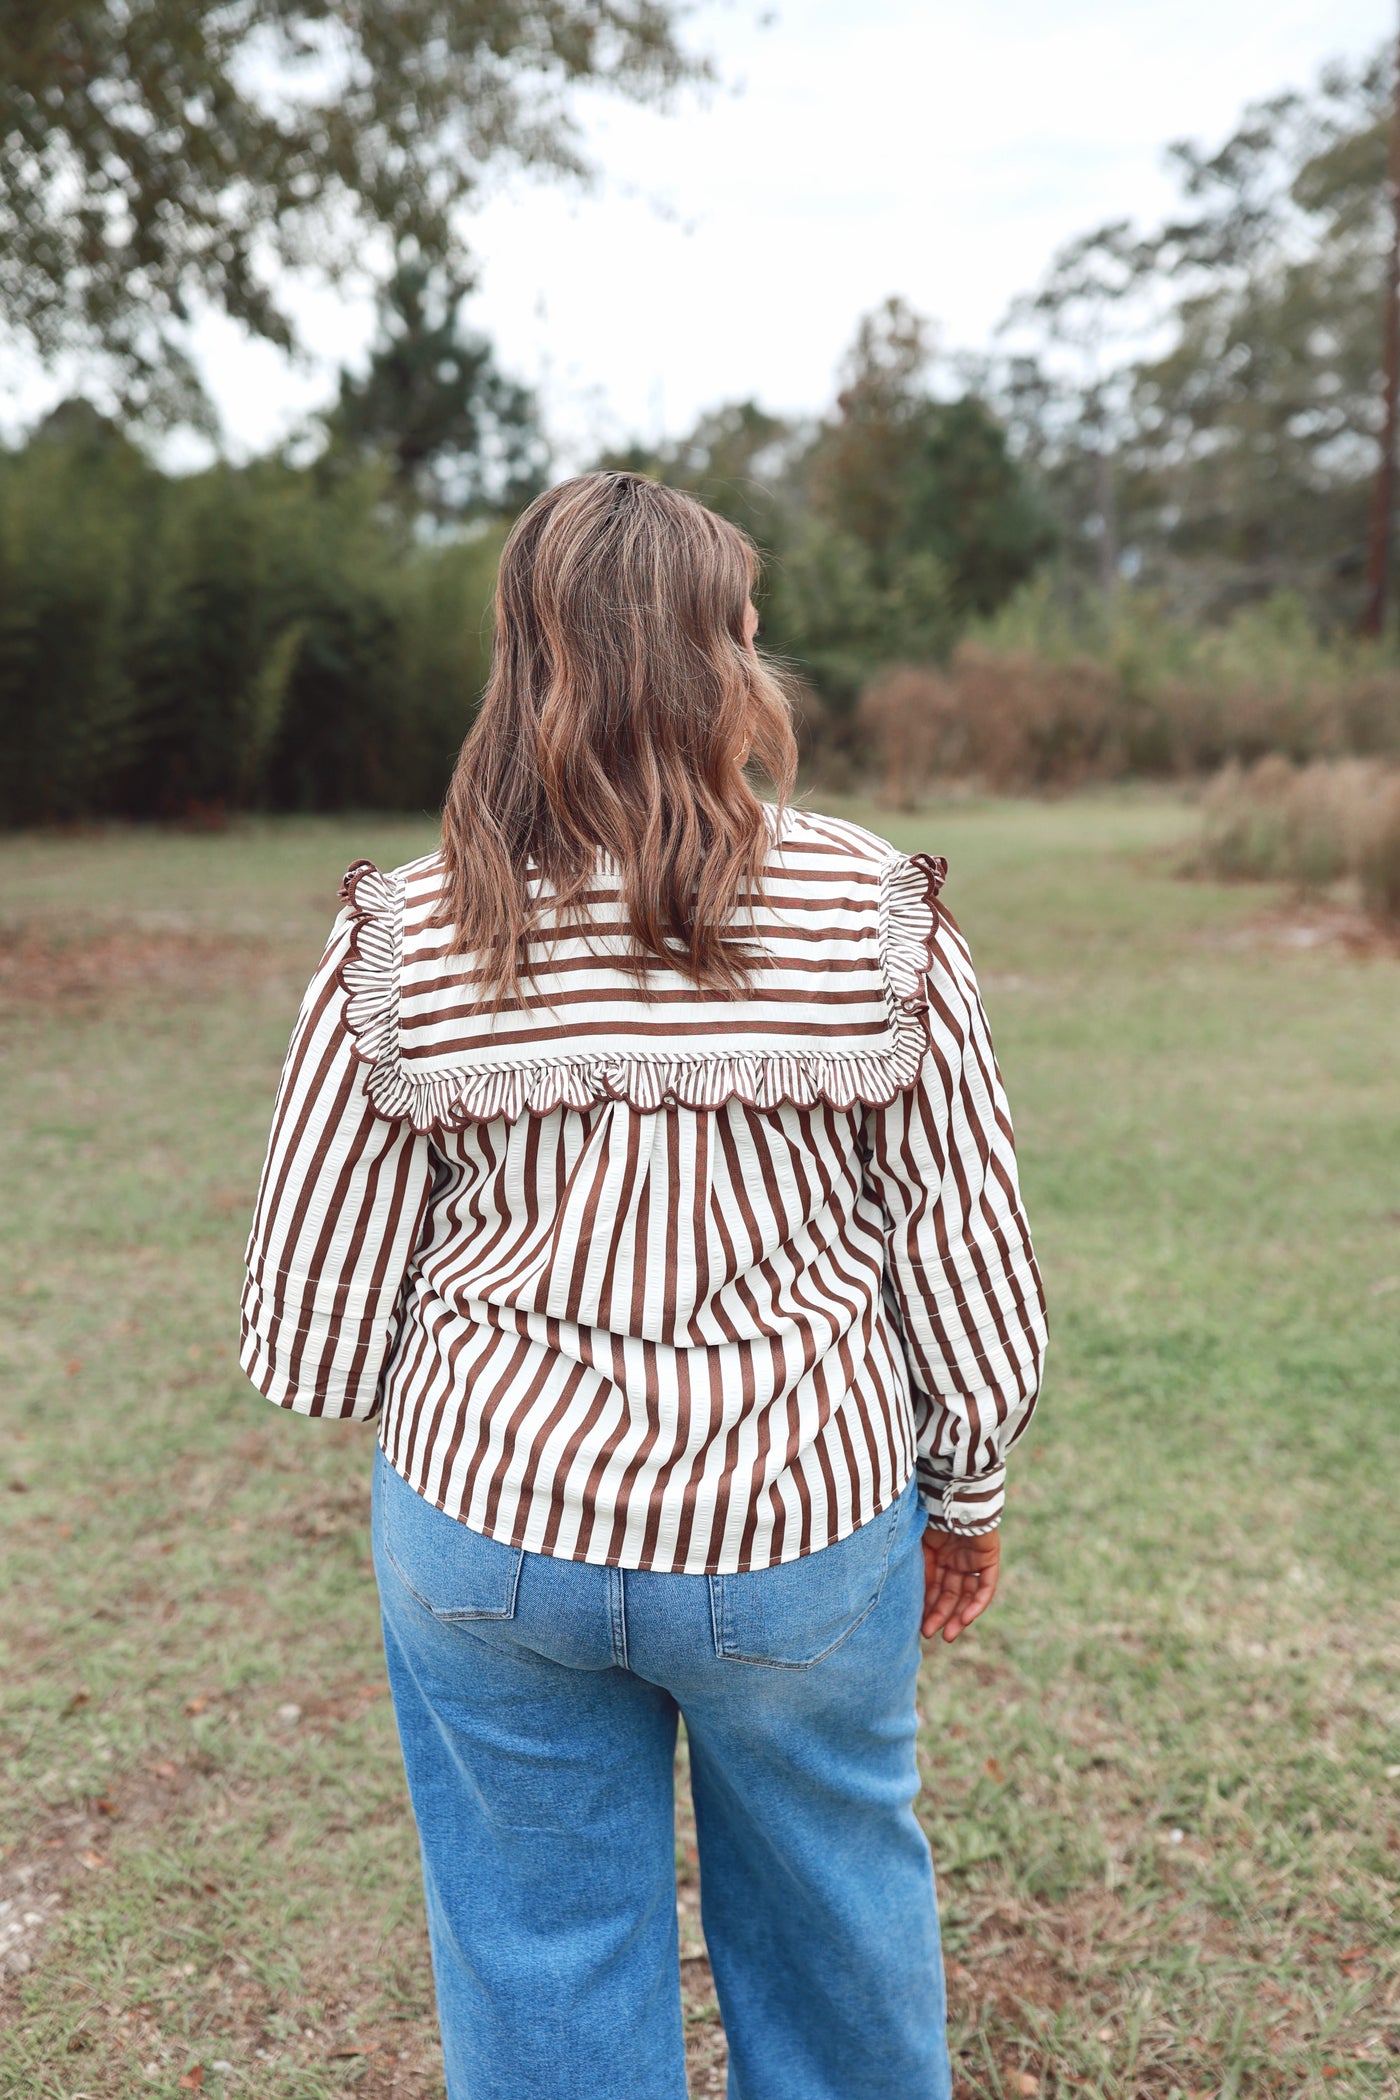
(640,1275)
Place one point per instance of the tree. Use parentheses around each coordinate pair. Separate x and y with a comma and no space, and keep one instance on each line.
(884,527)
(459,435)
(859,463)
(921,481)
(1086,307)
(1239,402)
(1258,422)
(1380,558)
(158,157)
(738,460)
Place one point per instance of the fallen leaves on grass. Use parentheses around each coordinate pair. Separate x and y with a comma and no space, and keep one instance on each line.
(327,1706)
(45,966)
(1300,927)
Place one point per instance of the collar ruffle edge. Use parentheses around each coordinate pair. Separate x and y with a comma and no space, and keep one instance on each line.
(370,977)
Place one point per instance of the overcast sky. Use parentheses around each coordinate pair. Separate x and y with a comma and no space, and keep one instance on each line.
(856,148)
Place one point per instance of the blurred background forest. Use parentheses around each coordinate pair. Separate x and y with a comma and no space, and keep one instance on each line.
(1132,540)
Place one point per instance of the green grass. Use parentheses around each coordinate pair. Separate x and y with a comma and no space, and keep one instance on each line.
(1162,1777)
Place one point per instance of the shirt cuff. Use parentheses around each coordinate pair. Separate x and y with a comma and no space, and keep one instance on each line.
(313,1370)
(964,1508)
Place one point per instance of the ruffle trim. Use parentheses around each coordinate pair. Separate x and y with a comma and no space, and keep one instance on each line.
(370,978)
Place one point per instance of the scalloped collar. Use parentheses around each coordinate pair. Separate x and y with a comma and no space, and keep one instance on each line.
(839,1014)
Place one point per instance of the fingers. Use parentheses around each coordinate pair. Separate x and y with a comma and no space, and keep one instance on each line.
(946,1598)
(954,1604)
(956,1593)
(973,1605)
(939,1605)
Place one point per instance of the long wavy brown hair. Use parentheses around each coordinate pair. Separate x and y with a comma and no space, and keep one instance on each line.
(623,703)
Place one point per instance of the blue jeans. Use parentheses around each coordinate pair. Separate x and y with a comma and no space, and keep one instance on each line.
(537,1702)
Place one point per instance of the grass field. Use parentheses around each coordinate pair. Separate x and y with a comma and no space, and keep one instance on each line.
(1162,1778)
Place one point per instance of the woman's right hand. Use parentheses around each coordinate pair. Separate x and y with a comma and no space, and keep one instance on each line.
(960,1579)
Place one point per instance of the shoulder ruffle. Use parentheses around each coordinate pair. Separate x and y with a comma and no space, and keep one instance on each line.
(370,977)
(909,916)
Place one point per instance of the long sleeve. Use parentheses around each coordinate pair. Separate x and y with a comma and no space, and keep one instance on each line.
(959,1264)
(338,1216)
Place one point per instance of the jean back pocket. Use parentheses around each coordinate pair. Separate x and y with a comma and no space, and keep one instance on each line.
(453,1572)
(793,1615)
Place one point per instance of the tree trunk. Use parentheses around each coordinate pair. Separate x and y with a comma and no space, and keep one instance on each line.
(1383,506)
(1106,503)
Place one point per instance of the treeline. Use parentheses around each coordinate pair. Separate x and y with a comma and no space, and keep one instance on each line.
(1131,541)
(1179,429)
(264,636)
(314,636)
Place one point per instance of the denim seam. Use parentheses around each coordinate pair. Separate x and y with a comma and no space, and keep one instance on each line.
(617,1608)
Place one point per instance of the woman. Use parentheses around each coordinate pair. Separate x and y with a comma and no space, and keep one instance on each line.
(641,1160)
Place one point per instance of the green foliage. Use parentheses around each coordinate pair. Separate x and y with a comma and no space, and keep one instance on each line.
(157,157)
(915,479)
(460,437)
(967,505)
(78,516)
(828,610)
(264,636)
(885,527)
(1206,395)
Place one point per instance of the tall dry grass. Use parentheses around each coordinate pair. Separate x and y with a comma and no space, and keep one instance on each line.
(1310,825)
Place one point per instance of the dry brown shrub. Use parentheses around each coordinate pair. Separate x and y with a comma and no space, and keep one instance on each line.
(1026,722)
(1308,825)
(1369,714)
(910,716)
(1378,858)
(1009,719)
(1191,735)
(1206,722)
